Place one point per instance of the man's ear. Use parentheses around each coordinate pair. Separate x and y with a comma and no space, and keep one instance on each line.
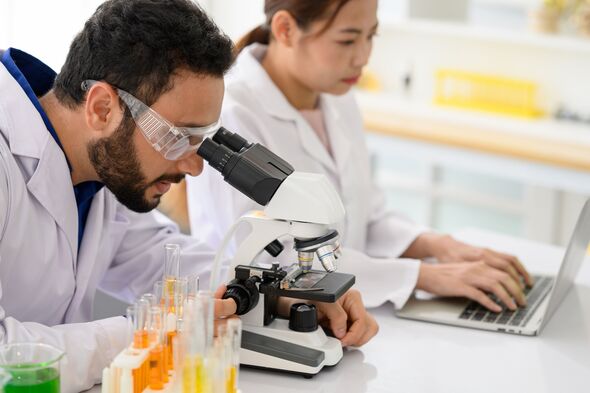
(102,110)
(284,28)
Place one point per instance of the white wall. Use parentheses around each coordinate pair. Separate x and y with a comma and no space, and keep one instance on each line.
(235,17)
(493,40)
(43,28)
(46,28)
(560,72)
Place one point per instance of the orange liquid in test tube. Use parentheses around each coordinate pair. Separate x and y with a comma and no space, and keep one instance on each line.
(140,339)
(165,368)
(169,291)
(170,353)
(156,368)
(136,378)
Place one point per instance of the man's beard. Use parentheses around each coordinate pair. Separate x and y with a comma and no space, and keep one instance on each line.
(115,161)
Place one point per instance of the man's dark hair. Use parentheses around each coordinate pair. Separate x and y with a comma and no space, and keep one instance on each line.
(137,45)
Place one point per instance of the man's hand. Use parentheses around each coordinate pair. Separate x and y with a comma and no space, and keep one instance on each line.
(223,309)
(348,319)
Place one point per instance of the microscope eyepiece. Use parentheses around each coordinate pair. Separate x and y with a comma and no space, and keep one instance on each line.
(215,154)
(234,141)
(252,169)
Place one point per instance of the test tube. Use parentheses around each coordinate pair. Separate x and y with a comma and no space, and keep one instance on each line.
(131,314)
(156,355)
(170,331)
(151,298)
(164,344)
(166,301)
(157,291)
(205,299)
(217,365)
(155,324)
(140,335)
(163,302)
(171,272)
(193,287)
(180,295)
(195,375)
(234,335)
(142,321)
(172,264)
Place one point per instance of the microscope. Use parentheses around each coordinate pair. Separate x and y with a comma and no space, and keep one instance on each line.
(305,207)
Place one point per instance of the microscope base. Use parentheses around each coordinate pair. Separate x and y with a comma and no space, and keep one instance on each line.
(277,347)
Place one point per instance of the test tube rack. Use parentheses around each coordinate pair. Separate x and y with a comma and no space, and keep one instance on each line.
(171,346)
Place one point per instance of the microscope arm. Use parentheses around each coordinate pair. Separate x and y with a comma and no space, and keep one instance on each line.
(300,204)
(264,230)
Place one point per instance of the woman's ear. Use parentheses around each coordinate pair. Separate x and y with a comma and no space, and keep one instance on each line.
(284,28)
(102,110)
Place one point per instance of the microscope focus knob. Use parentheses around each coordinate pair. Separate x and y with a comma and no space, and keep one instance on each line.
(244,293)
(303,318)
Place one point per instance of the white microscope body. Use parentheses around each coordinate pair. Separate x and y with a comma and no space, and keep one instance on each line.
(303,206)
(306,206)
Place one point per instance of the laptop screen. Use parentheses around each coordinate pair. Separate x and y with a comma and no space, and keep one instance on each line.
(572,261)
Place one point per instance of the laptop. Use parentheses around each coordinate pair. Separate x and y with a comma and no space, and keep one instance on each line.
(542,299)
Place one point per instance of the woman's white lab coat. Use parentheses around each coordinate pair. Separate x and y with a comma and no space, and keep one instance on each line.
(372,236)
(47,282)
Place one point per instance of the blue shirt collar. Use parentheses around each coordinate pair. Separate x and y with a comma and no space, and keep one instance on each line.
(34,77)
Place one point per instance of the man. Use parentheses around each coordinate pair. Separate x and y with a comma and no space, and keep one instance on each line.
(83,161)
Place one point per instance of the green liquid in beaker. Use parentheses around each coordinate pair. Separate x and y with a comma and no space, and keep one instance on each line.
(45,380)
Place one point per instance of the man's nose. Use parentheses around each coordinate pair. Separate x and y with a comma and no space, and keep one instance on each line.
(192,164)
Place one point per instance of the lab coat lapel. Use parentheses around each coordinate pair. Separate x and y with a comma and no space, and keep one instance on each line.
(89,252)
(276,104)
(52,187)
(313,146)
(50,183)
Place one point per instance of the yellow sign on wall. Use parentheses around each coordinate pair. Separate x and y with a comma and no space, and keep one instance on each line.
(473,91)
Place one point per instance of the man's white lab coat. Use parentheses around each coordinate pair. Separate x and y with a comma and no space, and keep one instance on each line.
(47,281)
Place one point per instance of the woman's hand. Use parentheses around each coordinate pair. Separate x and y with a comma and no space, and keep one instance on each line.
(446,249)
(472,280)
(469,271)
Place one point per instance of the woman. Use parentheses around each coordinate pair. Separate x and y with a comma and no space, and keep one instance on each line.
(291,91)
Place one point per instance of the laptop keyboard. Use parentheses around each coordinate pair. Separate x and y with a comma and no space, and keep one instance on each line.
(519,317)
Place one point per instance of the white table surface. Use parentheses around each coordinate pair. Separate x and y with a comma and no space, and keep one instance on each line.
(409,356)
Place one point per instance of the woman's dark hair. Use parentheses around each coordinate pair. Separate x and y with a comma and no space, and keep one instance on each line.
(138,45)
(305,12)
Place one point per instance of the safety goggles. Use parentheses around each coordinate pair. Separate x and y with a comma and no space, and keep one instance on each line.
(171,141)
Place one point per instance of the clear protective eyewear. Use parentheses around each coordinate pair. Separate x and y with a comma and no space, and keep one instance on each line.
(171,141)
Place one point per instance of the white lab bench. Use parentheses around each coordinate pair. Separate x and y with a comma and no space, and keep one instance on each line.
(408,356)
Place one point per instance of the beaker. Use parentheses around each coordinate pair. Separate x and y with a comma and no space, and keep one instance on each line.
(34,367)
(4,378)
